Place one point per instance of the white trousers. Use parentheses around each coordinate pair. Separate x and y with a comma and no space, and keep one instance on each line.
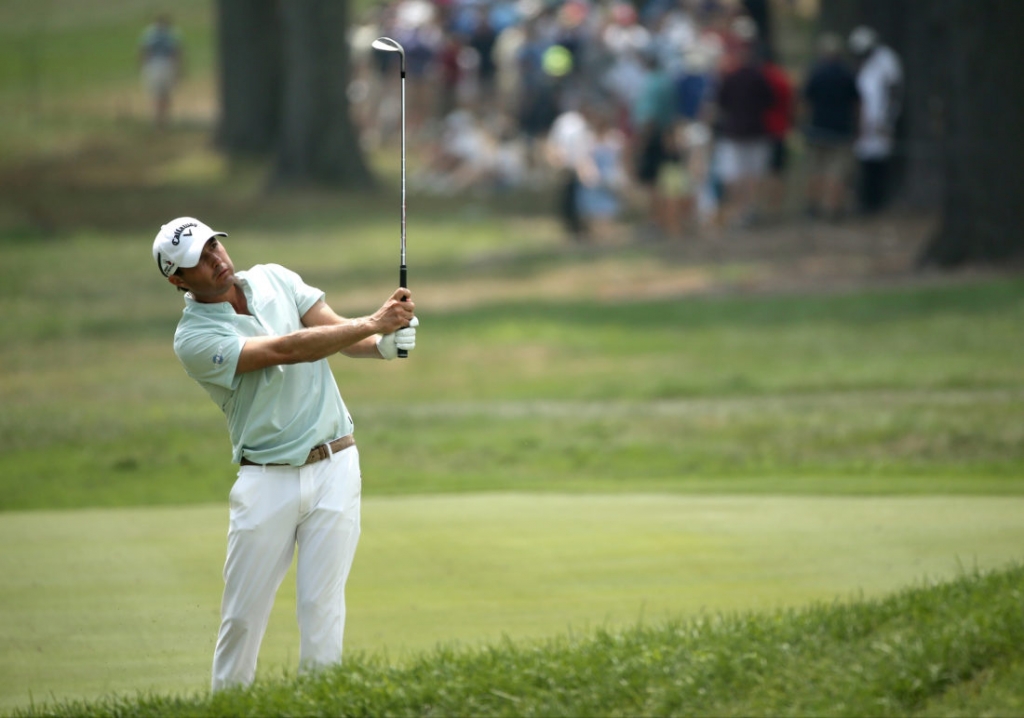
(273,510)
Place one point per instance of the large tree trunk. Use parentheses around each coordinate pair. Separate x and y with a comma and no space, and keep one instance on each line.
(251,75)
(983,159)
(319,143)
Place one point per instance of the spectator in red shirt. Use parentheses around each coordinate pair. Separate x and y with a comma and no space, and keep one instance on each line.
(778,121)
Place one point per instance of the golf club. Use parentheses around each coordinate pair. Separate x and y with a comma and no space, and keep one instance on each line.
(386,44)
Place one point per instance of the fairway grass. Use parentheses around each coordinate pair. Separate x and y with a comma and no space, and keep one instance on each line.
(124,600)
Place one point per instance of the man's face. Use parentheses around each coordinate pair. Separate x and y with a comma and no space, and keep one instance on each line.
(212,277)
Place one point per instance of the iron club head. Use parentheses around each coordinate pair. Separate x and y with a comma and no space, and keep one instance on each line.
(386,44)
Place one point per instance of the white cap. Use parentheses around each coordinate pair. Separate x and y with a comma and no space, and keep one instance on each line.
(180,242)
(862,39)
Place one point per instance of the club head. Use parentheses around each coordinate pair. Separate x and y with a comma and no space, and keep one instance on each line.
(386,44)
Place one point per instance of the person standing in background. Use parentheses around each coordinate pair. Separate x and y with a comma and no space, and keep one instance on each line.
(831,102)
(652,121)
(743,98)
(160,60)
(778,121)
(602,173)
(880,84)
(566,148)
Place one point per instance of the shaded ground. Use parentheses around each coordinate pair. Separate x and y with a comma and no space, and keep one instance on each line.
(134,177)
(794,256)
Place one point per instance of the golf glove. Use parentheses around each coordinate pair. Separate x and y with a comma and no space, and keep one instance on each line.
(389,344)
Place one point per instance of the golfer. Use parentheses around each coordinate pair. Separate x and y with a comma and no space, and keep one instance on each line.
(257,341)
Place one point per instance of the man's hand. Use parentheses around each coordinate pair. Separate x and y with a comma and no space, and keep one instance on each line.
(405,338)
(395,313)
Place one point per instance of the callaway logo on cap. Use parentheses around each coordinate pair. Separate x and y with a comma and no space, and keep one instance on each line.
(180,242)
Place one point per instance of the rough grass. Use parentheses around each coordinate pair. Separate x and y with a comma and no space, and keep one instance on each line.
(913,653)
(106,601)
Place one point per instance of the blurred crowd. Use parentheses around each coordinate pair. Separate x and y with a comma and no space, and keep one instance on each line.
(674,113)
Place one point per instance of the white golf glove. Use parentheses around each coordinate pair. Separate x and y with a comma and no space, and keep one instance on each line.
(389,344)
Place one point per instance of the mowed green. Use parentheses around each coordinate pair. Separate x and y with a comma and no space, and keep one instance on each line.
(125,600)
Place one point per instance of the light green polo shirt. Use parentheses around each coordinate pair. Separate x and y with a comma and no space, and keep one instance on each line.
(275,415)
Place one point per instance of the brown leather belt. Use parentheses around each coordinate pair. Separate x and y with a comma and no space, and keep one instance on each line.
(318,453)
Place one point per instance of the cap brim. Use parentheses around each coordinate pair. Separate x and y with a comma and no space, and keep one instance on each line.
(195,250)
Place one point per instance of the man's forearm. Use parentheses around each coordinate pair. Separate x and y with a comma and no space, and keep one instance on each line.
(364,349)
(315,343)
(305,345)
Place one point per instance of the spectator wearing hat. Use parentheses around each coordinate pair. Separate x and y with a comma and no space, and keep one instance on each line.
(880,84)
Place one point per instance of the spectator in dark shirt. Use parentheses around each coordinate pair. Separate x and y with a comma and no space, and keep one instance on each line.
(743,98)
(831,105)
(482,40)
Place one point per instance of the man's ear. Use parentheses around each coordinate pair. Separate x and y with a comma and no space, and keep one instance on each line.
(177,282)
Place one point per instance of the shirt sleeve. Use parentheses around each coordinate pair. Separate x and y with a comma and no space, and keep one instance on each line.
(210,357)
(304,295)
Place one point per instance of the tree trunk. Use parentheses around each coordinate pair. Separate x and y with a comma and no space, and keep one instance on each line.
(983,158)
(319,143)
(251,75)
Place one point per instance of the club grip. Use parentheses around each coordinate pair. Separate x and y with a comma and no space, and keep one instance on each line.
(403,281)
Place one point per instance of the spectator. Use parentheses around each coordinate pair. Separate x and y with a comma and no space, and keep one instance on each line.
(482,39)
(831,106)
(694,84)
(538,92)
(507,80)
(778,121)
(602,175)
(622,42)
(160,59)
(694,138)
(568,143)
(652,119)
(880,84)
(694,88)
(743,98)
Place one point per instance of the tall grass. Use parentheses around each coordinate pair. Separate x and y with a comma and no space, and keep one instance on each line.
(913,653)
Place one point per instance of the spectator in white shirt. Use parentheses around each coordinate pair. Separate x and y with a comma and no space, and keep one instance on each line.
(880,85)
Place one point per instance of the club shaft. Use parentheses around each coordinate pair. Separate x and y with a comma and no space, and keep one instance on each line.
(403,163)
(403,274)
